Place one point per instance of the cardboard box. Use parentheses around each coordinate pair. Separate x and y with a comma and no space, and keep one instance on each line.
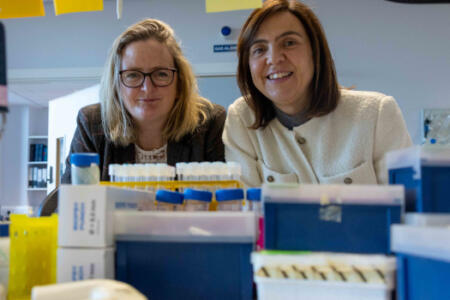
(76,264)
(86,213)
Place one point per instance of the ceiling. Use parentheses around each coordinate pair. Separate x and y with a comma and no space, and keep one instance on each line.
(39,93)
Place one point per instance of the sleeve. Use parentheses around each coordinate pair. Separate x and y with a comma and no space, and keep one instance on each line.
(390,134)
(214,144)
(82,142)
(239,148)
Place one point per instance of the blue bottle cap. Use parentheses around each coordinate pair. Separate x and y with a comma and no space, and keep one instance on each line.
(201,195)
(84,159)
(229,194)
(169,197)
(254,194)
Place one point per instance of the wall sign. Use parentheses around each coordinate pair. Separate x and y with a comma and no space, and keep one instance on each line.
(225,48)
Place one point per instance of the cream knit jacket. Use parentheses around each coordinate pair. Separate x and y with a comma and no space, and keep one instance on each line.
(347,145)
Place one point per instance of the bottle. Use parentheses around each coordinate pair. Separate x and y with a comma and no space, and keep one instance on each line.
(84,167)
(197,200)
(169,201)
(254,204)
(229,199)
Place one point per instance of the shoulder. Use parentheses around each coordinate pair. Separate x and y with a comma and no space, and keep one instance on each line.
(90,112)
(241,110)
(363,103)
(211,112)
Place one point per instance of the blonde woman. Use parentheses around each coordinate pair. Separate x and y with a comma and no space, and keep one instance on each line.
(150,109)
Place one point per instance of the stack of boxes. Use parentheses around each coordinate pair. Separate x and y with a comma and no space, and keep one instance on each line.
(327,218)
(422,244)
(86,231)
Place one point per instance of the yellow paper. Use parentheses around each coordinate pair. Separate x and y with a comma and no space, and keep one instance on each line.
(73,6)
(21,8)
(227,5)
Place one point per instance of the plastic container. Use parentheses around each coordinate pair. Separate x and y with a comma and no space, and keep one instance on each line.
(322,289)
(169,201)
(423,260)
(186,255)
(337,218)
(425,173)
(229,199)
(254,199)
(32,254)
(84,167)
(197,200)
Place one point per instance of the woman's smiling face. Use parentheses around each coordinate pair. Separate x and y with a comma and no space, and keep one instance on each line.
(281,62)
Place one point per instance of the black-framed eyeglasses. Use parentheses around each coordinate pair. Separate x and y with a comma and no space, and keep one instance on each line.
(160,77)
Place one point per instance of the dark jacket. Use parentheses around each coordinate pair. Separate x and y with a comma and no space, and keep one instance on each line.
(205,144)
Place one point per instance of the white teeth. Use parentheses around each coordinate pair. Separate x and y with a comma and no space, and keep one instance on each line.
(279,75)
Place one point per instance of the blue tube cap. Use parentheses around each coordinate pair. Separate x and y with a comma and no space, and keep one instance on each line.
(84,159)
(201,195)
(169,197)
(254,194)
(229,194)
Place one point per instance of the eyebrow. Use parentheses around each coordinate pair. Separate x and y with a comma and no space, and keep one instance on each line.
(278,37)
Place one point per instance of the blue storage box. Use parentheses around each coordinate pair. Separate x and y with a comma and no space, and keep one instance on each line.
(186,255)
(4,229)
(338,218)
(423,261)
(425,173)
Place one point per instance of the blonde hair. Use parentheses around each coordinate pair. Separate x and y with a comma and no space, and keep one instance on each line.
(188,109)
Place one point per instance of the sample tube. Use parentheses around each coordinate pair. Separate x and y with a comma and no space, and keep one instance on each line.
(84,168)
(229,199)
(197,200)
(169,201)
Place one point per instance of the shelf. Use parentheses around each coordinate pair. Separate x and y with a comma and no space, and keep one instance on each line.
(37,162)
(38,137)
(36,189)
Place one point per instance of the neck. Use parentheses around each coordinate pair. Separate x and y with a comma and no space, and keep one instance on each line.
(150,137)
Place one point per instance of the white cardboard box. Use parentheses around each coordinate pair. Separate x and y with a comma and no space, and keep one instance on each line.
(86,213)
(89,263)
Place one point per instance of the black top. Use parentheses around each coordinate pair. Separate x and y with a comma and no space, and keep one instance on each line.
(204,144)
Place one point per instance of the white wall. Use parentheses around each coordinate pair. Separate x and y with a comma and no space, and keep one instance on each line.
(13,158)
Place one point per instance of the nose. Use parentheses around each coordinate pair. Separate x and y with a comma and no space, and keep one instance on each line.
(147,84)
(275,55)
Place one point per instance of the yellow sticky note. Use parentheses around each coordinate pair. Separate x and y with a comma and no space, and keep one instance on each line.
(21,9)
(71,6)
(227,5)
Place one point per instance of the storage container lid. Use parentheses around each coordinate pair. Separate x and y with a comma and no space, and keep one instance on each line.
(427,219)
(181,226)
(229,194)
(334,194)
(169,197)
(254,194)
(84,159)
(417,156)
(425,241)
(200,195)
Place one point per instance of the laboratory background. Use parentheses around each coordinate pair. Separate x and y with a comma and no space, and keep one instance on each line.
(54,64)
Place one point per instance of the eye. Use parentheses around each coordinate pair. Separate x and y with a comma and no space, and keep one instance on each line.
(132,75)
(162,74)
(290,43)
(257,50)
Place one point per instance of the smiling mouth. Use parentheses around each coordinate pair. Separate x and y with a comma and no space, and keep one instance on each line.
(279,75)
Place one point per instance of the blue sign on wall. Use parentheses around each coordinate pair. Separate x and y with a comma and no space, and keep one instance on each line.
(225,48)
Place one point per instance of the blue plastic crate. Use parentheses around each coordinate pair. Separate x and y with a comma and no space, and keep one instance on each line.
(425,173)
(353,219)
(423,262)
(172,270)
(186,255)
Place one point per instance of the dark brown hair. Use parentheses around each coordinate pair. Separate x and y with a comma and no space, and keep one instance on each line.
(324,85)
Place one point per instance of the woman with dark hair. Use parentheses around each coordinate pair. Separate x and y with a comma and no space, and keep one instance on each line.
(294,123)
